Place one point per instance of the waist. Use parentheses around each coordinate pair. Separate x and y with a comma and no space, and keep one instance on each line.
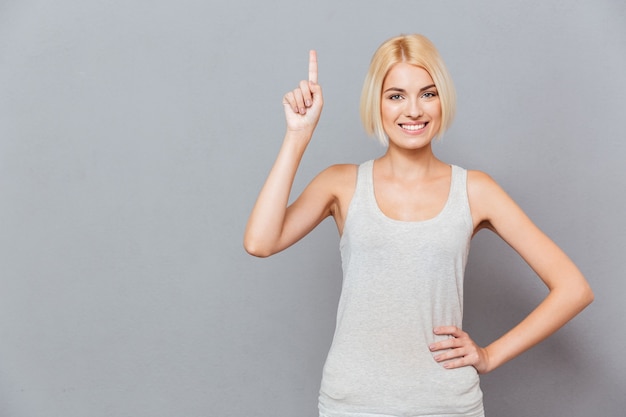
(355,384)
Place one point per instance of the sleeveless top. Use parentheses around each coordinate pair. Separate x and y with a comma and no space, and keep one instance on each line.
(400,280)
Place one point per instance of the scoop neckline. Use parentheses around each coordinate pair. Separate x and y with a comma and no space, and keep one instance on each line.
(380,213)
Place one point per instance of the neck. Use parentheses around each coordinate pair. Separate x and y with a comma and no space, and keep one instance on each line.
(409,163)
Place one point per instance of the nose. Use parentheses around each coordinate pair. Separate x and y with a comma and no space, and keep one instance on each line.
(413,108)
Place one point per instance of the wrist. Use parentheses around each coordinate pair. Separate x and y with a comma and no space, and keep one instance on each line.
(303,133)
(298,138)
(493,358)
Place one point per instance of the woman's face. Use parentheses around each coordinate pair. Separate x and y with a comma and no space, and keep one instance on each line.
(410,107)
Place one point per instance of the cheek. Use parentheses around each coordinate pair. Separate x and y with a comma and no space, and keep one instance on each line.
(435,109)
(388,113)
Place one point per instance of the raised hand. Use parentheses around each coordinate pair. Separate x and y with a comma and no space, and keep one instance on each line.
(303,105)
(460,350)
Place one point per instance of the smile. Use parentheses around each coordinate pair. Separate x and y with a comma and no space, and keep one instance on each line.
(413,127)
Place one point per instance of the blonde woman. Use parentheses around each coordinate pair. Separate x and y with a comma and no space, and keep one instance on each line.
(406,220)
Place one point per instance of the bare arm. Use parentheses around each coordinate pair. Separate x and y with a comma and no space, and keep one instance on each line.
(569,291)
(272,225)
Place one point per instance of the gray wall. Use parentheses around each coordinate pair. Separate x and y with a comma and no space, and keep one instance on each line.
(135,135)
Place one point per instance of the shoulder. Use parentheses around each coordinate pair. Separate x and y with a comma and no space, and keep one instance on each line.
(338,176)
(480,183)
(333,182)
(341,170)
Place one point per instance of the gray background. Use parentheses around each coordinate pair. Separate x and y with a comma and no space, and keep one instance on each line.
(135,135)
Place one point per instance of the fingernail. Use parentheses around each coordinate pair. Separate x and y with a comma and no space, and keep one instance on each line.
(308,103)
(302,111)
(431,347)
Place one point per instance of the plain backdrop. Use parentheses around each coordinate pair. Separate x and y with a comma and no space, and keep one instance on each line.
(135,136)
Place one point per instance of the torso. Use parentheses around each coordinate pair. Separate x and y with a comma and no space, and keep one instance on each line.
(401,279)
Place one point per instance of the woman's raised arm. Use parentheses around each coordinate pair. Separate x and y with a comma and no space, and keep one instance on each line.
(273,226)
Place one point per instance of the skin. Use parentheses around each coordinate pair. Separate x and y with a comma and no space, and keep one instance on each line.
(408,169)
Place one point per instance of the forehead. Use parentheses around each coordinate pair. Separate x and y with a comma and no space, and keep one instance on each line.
(403,75)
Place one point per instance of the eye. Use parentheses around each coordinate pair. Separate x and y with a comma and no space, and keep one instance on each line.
(395,97)
(429,94)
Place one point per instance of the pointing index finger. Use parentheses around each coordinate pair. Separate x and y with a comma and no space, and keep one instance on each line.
(313,66)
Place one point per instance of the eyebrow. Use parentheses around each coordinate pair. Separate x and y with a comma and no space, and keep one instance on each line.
(401,90)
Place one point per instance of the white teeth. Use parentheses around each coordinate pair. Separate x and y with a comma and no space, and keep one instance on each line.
(413,127)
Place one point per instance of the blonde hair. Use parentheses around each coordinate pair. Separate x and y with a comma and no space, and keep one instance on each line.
(411,49)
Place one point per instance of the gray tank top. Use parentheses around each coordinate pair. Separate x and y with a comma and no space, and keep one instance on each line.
(400,280)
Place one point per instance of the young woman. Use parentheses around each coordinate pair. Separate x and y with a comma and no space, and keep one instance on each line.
(406,220)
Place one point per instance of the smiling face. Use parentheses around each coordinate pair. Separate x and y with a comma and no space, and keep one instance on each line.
(410,107)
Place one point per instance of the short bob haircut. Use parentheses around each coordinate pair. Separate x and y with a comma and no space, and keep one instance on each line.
(411,49)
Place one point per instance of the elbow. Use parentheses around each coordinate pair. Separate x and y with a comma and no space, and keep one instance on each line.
(577,296)
(584,295)
(589,296)
(254,248)
(256,252)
